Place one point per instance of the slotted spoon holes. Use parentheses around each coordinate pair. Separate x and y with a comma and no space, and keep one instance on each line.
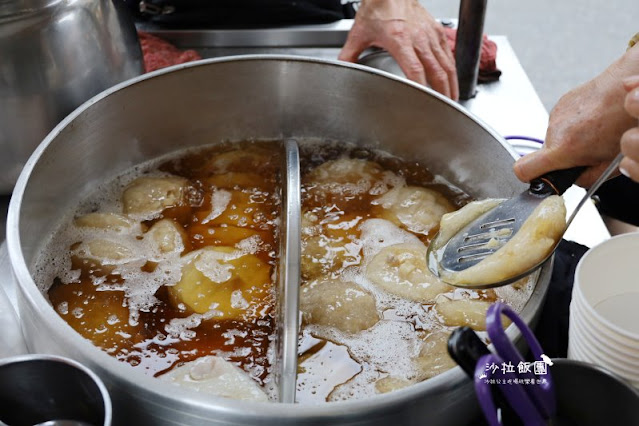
(475,257)
(497,223)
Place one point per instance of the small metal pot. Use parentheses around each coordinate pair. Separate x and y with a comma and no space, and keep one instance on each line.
(55,55)
(243,98)
(588,395)
(40,388)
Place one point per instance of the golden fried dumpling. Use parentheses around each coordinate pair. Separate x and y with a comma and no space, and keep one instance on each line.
(329,244)
(236,208)
(167,236)
(339,304)
(433,357)
(105,252)
(214,375)
(529,246)
(452,222)
(462,312)
(224,280)
(146,197)
(414,208)
(256,159)
(234,216)
(346,175)
(345,180)
(402,270)
(235,180)
(106,221)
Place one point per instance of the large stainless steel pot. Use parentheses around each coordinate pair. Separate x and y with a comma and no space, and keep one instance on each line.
(56,54)
(234,99)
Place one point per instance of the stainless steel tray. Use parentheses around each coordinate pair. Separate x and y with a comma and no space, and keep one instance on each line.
(319,35)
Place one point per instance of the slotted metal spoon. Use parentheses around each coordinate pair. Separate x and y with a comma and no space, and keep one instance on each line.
(469,246)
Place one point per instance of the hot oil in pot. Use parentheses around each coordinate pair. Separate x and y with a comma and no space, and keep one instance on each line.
(131,282)
(176,260)
(374,317)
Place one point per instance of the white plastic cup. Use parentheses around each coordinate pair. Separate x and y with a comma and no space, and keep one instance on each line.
(604,312)
(605,339)
(608,278)
(606,356)
(595,322)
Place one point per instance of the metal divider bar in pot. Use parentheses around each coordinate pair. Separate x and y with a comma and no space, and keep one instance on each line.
(289,273)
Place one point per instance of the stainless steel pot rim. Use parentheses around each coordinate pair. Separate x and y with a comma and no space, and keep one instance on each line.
(26,171)
(156,391)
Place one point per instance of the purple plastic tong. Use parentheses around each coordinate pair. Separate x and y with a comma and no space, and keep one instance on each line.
(534,403)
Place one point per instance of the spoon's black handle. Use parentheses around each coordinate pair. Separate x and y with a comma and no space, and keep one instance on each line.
(557,182)
(465,347)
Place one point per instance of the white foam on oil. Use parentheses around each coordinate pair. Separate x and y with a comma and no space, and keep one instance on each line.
(250,244)
(213,265)
(402,323)
(388,181)
(359,387)
(54,259)
(220,200)
(390,347)
(517,294)
(140,285)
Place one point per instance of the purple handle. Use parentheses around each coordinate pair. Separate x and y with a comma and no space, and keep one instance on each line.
(514,393)
(542,394)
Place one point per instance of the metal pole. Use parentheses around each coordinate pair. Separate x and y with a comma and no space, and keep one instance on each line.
(468,45)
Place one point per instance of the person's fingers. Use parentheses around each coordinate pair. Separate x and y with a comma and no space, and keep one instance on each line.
(630,148)
(354,46)
(632,101)
(452,83)
(630,168)
(630,144)
(449,65)
(443,42)
(407,60)
(591,174)
(447,62)
(533,165)
(430,57)
(630,83)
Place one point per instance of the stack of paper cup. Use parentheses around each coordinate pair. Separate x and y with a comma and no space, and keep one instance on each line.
(604,312)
